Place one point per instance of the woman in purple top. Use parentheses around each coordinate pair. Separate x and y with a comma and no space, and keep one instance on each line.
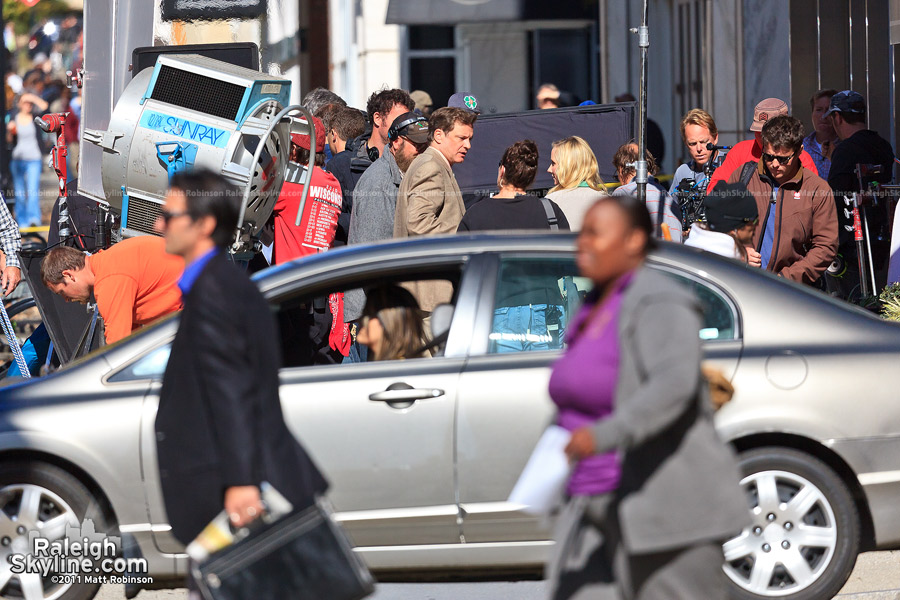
(654,492)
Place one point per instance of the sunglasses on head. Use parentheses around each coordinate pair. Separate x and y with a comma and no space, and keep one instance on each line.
(781,159)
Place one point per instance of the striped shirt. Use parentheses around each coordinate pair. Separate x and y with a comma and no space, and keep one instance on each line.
(10,239)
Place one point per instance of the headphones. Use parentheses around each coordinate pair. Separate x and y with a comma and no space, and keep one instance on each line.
(396,128)
(373,154)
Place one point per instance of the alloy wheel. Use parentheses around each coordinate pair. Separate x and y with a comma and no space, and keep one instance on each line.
(792,540)
(27,508)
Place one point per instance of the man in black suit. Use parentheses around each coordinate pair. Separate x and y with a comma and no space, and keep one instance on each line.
(220,429)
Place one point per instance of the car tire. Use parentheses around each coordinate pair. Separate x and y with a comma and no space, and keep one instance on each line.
(42,497)
(805,534)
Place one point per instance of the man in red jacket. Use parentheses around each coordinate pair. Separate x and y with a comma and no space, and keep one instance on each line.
(751,150)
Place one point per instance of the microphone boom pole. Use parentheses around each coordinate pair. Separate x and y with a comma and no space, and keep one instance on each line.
(641,164)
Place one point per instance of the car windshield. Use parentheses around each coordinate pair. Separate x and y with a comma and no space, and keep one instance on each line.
(110,347)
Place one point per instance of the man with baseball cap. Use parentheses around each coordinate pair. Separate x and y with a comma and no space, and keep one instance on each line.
(375,199)
(464,100)
(751,150)
(859,145)
(797,236)
(424,104)
(731,219)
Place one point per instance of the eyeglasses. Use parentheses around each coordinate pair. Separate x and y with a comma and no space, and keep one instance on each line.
(167,216)
(782,160)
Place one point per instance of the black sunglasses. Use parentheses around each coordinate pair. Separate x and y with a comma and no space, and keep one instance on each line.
(781,159)
(167,216)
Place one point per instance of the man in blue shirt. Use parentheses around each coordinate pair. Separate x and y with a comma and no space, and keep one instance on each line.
(220,429)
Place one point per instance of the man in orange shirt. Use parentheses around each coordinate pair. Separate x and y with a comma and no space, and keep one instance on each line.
(134,282)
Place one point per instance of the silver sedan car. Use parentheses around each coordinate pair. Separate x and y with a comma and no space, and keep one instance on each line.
(422,454)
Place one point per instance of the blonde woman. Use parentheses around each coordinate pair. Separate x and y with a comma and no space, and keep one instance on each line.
(576,178)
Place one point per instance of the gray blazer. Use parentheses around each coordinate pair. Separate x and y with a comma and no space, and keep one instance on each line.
(680,482)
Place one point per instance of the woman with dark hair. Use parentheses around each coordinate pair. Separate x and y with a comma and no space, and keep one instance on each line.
(511,207)
(654,492)
(392,325)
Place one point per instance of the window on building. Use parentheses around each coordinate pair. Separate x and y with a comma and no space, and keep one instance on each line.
(430,62)
(568,59)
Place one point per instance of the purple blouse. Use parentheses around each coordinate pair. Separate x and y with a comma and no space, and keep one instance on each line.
(583,386)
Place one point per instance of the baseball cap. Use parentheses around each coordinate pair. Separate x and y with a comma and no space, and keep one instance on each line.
(765,110)
(421,98)
(730,206)
(410,125)
(847,101)
(302,139)
(465,101)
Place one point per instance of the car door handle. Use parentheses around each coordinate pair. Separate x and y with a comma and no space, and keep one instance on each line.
(409,394)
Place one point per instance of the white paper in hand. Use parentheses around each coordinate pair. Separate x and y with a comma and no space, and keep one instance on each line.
(542,482)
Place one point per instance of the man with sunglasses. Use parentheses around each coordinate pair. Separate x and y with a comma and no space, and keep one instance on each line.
(750,150)
(798,233)
(134,282)
(220,430)
(375,200)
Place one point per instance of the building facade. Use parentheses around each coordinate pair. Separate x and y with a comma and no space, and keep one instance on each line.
(721,55)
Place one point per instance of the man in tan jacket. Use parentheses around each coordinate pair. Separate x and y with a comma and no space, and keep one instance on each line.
(797,236)
(429,200)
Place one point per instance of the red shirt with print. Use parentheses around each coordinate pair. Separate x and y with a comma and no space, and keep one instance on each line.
(320,214)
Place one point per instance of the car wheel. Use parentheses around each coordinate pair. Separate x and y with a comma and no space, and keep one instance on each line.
(42,498)
(804,539)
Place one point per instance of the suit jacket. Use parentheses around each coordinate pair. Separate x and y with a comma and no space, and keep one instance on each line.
(429,202)
(680,482)
(220,422)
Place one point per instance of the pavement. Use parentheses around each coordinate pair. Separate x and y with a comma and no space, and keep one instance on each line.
(876,577)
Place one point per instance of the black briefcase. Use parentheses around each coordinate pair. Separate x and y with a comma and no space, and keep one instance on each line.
(304,555)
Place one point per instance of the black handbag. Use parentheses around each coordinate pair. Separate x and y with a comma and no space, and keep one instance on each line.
(304,555)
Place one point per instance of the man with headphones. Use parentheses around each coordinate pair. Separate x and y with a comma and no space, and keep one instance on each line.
(383,108)
(375,196)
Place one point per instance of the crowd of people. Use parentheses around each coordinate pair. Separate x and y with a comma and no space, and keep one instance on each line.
(802,186)
(635,402)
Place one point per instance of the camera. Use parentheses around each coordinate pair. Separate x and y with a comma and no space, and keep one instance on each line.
(690,197)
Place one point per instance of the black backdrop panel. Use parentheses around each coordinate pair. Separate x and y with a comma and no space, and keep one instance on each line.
(604,127)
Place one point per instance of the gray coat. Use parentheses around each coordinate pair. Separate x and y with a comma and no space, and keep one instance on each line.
(680,482)
(374,202)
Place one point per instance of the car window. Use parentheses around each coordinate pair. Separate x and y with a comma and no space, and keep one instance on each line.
(327,326)
(149,366)
(719,321)
(533,303)
(536,298)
